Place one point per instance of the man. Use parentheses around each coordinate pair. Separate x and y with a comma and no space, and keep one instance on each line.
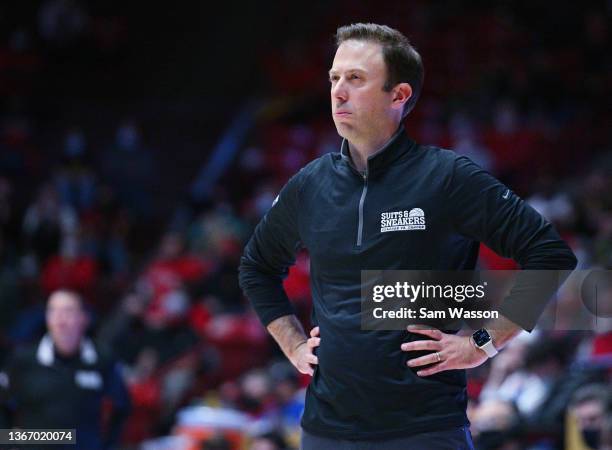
(373,389)
(589,407)
(62,382)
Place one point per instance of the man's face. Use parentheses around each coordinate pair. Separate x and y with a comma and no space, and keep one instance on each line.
(66,321)
(589,414)
(360,106)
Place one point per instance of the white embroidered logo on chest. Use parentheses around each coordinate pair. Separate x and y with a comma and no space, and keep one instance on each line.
(88,379)
(402,220)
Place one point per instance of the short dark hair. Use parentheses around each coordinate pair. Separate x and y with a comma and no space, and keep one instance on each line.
(598,392)
(403,62)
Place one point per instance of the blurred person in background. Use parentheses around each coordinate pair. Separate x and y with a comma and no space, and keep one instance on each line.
(47,222)
(131,169)
(289,397)
(75,177)
(144,385)
(589,409)
(166,278)
(606,431)
(65,380)
(530,374)
(255,393)
(495,426)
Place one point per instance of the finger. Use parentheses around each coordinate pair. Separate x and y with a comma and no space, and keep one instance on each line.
(305,368)
(312,359)
(314,332)
(430,332)
(421,345)
(314,342)
(433,369)
(424,360)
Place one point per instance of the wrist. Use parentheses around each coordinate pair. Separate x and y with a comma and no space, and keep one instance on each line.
(295,349)
(473,344)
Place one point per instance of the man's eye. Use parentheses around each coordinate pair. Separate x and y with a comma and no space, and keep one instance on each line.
(354,77)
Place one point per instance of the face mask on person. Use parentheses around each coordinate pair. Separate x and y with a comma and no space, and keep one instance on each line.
(75,144)
(128,137)
(591,437)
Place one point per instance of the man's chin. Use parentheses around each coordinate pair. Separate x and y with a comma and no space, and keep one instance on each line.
(344,129)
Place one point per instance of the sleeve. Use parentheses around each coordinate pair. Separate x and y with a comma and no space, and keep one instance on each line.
(7,393)
(269,254)
(486,210)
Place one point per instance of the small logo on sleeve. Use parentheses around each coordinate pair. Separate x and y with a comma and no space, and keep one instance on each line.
(402,220)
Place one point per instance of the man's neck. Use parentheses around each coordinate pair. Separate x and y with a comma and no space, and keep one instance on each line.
(66,353)
(361,151)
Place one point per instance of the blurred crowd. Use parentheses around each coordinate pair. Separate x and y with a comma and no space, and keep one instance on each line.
(522,97)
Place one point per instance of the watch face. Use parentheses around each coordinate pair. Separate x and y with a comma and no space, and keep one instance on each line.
(481,337)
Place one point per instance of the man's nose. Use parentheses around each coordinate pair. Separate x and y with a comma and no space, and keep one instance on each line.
(339,90)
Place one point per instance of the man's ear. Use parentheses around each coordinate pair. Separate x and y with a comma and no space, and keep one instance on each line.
(402,92)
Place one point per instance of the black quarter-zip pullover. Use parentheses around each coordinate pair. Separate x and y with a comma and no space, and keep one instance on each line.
(362,388)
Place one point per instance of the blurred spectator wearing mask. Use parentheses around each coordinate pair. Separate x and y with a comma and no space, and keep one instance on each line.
(61,22)
(495,426)
(131,169)
(167,280)
(588,413)
(47,221)
(65,381)
(75,178)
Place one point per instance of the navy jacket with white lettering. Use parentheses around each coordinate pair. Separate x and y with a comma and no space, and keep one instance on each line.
(40,389)
(362,388)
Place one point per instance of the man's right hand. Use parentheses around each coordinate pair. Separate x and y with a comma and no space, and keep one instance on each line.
(303,357)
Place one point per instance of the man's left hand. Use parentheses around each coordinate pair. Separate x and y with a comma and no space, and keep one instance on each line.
(449,351)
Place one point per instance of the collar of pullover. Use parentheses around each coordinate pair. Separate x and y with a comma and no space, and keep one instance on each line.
(396,147)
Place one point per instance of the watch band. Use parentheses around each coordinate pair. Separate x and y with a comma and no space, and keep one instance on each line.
(489,349)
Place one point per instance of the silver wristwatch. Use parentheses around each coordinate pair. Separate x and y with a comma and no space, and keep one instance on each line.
(482,339)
